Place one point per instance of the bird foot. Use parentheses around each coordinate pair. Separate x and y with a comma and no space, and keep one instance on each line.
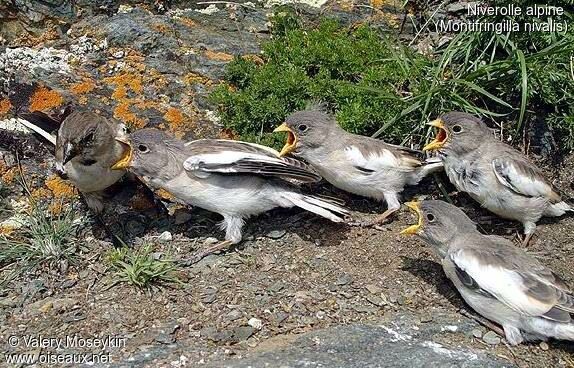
(486,323)
(224,245)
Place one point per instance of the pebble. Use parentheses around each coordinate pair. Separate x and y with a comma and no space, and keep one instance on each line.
(256,323)
(373,289)
(276,287)
(426,317)
(233,315)
(491,338)
(376,300)
(477,333)
(243,333)
(165,237)
(544,345)
(118,54)
(210,240)
(276,234)
(344,279)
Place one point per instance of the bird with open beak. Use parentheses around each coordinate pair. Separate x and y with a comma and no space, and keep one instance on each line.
(357,164)
(85,148)
(496,175)
(498,280)
(235,179)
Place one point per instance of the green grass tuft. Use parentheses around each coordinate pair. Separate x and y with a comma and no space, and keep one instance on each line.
(139,267)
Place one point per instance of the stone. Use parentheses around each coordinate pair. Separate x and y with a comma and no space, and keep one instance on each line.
(210,241)
(544,345)
(243,333)
(491,338)
(256,323)
(344,279)
(165,237)
(373,289)
(233,315)
(477,333)
(276,234)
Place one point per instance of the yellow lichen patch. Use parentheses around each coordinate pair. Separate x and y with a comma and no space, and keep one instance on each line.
(194,78)
(45,99)
(9,175)
(123,113)
(84,87)
(254,58)
(5,106)
(83,100)
(3,167)
(60,188)
(6,230)
(176,121)
(132,81)
(164,194)
(187,22)
(160,27)
(56,207)
(218,55)
(41,193)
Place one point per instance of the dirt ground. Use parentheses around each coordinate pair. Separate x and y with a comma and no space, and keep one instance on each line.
(294,273)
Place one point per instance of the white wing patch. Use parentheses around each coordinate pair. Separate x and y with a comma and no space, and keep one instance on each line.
(505,285)
(193,163)
(509,175)
(373,162)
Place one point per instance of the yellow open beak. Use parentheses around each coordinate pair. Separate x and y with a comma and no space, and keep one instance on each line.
(414,229)
(126,159)
(290,143)
(441,136)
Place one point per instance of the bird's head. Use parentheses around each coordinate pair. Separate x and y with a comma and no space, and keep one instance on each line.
(458,132)
(84,135)
(150,153)
(306,129)
(438,222)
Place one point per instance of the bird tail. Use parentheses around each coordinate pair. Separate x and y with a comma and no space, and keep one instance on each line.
(429,166)
(323,207)
(42,125)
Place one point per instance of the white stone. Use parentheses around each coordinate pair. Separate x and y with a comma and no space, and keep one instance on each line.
(256,323)
(165,237)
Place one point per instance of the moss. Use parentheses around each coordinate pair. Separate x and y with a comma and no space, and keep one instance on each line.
(45,99)
(352,70)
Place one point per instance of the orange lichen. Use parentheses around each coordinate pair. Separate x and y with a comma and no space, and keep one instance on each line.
(41,193)
(6,230)
(45,99)
(123,113)
(84,87)
(3,167)
(194,78)
(160,27)
(9,175)
(132,81)
(83,100)
(176,121)
(162,193)
(60,188)
(254,58)
(5,106)
(187,22)
(218,55)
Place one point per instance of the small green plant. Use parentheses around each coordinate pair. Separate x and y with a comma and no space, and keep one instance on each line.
(140,268)
(41,238)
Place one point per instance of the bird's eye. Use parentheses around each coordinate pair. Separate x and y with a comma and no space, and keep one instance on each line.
(143,149)
(302,127)
(430,217)
(88,138)
(457,129)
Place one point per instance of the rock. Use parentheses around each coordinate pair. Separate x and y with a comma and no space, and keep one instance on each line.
(373,289)
(344,279)
(210,241)
(477,333)
(165,237)
(354,346)
(426,317)
(276,287)
(256,323)
(376,300)
(233,315)
(544,345)
(181,217)
(49,305)
(276,234)
(491,338)
(243,333)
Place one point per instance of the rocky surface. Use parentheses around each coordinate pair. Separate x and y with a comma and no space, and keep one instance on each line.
(299,291)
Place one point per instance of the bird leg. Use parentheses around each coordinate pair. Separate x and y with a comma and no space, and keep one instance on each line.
(529,228)
(209,250)
(486,323)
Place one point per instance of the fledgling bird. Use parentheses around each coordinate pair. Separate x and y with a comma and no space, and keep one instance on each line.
(357,164)
(498,280)
(235,179)
(496,175)
(85,149)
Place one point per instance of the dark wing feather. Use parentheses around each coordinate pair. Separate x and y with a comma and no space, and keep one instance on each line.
(234,157)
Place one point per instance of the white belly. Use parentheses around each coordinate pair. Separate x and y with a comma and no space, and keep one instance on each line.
(93,178)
